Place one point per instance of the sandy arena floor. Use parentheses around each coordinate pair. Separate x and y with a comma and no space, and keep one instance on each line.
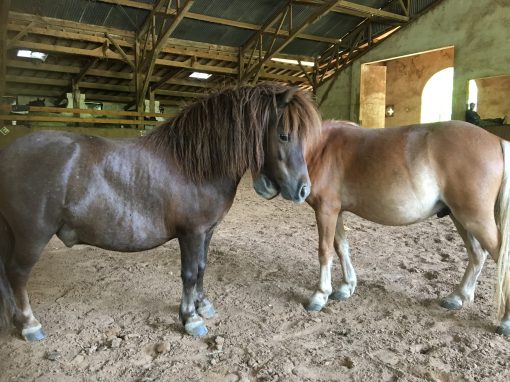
(114,317)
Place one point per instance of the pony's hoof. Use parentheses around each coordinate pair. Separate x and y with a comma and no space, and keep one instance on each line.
(340,294)
(195,327)
(451,303)
(504,329)
(33,334)
(313,306)
(206,310)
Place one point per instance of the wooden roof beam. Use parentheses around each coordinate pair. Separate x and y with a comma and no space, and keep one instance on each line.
(220,20)
(146,68)
(253,70)
(358,10)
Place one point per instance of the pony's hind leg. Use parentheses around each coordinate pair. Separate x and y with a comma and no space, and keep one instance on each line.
(504,326)
(326,223)
(192,246)
(203,306)
(465,291)
(18,270)
(348,285)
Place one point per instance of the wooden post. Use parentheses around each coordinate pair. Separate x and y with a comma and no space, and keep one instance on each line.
(4,13)
(76,99)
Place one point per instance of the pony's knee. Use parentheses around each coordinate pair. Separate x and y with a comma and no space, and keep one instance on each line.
(189,278)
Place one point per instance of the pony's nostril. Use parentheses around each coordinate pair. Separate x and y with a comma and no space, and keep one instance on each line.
(303,193)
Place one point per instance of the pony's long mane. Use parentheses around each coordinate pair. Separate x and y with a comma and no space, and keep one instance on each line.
(222,134)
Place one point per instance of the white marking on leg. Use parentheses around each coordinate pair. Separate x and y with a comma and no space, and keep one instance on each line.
(348,285)
(324,290)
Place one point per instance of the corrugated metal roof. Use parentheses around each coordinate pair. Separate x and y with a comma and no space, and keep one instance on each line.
(84,11)
(332,25)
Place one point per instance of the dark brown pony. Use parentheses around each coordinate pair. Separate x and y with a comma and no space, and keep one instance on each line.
(136,194)
(402,175)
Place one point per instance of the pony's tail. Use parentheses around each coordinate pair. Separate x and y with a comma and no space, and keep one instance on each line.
(503,216)
(7,302)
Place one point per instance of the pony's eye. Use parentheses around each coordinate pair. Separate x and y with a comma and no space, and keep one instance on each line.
(284,137)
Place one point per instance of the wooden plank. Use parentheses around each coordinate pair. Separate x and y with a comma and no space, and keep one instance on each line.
(46,109)
(80,27)
(50,48)
(44,118)
(174,93)
(55,31)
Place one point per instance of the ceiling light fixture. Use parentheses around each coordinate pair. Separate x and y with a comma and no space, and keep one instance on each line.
(200,75)
(30,54)
(292,62)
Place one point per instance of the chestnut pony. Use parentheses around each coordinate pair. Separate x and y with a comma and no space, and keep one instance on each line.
(134,194)
(402,175)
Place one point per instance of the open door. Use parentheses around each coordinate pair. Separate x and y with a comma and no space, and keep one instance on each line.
(372,95)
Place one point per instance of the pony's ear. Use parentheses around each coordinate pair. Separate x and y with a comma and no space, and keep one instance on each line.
(284,98)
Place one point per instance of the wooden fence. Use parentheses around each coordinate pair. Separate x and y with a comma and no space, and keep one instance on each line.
(61,116)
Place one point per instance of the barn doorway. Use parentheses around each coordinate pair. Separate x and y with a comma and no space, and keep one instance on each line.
(436,99)
(391,91)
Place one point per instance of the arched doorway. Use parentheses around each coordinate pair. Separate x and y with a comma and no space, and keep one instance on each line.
(436,98)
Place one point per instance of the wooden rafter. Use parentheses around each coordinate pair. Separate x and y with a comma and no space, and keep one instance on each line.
(252,70)
(165,79)
(359,10)
(89,33)
(121,51)
(146,67)
(75,81)
(345,7)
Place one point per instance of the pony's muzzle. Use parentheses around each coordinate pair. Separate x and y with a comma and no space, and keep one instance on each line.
(265,187)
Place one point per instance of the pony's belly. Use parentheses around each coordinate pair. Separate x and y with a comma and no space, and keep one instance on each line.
(398,212)
(127,233)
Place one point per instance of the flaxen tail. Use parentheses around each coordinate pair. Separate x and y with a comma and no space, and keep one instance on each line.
(7,302)
(503,216)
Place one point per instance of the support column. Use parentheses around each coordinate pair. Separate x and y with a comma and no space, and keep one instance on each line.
(4,14)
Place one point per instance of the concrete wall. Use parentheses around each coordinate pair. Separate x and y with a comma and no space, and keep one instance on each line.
(478,30)
(494,97)
(405,80)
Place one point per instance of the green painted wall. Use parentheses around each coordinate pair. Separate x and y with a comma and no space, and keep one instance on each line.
(18,131)
(477,29)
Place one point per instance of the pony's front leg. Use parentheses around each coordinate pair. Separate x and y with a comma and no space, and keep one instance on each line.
(204,307)
(348,285)
(326,221)
(192,247)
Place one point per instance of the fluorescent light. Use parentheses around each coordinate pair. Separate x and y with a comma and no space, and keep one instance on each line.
(200,75)
(35,55)
(292,62)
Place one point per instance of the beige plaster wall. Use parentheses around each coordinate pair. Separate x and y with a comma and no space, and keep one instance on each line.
(494,97)
(405,80)
(478,30)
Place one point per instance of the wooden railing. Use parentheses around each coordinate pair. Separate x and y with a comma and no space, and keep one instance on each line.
(125,117)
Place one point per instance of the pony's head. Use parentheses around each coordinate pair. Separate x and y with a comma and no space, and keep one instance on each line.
(293,125)
(266,128)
